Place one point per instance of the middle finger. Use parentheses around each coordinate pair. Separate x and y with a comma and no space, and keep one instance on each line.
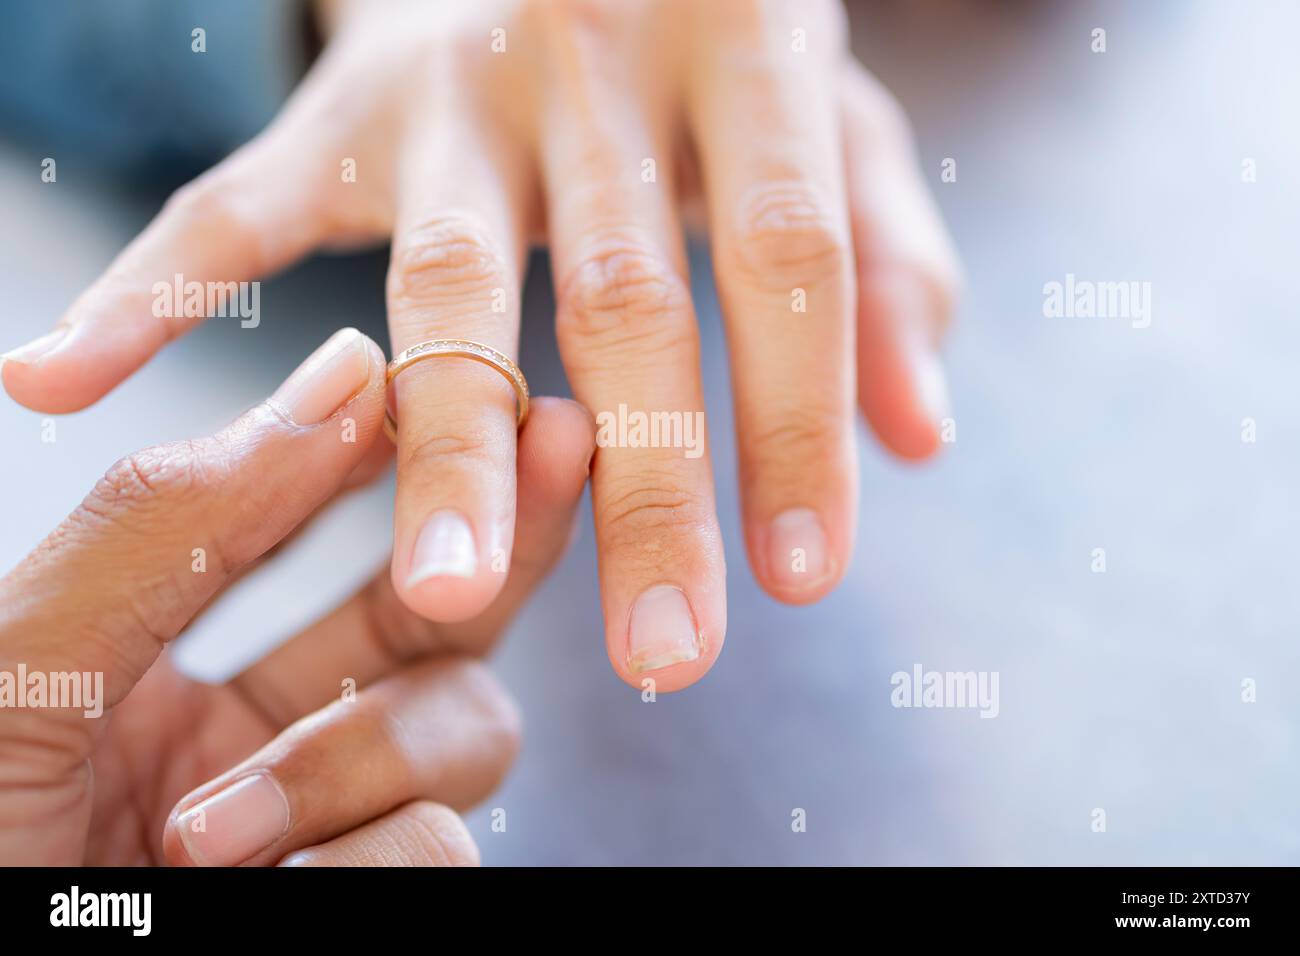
(627,335)
(765,116)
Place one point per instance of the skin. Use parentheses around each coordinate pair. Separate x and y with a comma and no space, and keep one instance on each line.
(370,781)
(801,165)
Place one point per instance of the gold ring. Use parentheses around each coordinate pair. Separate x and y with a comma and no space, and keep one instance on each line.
(464,348)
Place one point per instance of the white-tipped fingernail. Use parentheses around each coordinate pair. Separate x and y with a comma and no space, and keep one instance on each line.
(661,631)
(445,547)
(35,350)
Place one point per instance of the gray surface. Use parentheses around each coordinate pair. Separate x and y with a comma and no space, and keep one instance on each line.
(1119,691)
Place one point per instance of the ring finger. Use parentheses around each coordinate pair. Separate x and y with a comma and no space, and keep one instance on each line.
(764,113)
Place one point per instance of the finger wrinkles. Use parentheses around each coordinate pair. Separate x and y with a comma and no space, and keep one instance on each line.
(786,236)
(134,506)
(625,301)
(794,432)
(435,836)
(420,833)
(446,258)
(649,510)
(466,442)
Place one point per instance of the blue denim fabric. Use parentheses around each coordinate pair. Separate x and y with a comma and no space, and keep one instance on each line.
(117,86)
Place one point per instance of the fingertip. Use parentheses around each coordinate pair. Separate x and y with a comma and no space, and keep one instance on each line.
(670,637)
(669,679)
(907,422)
(449,576)
(902,386)
(448,599)
(799,557)
(52,387)
(908,436)
(85,357)
(556,446)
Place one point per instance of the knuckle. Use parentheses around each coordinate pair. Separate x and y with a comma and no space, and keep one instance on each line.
(466,442)
(440,834)
(149,495)
(168,473)
(805,435)
(624,297)
(445,257)
(788,235)
(218,203)
(646,512)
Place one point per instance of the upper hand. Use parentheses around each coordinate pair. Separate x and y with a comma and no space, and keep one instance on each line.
(473,127)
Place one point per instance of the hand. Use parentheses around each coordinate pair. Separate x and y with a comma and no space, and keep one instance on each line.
(281,765)
(473,127)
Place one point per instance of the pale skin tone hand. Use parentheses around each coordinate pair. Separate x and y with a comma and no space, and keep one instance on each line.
(275,767)
(477,127)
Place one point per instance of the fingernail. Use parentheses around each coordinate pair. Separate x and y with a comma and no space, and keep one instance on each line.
(34,351)
(931,383)
(236,823)
(796,548)
(325,382)
(662,630)
(445,547)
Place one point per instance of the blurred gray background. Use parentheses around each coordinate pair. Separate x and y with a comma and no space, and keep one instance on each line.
(1119,691)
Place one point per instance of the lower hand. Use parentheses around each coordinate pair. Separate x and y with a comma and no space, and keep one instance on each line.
(282,765)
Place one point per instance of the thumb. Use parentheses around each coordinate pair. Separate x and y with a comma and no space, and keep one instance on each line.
(165,528)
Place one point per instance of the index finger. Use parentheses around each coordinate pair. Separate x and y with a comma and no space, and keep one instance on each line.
(248,217)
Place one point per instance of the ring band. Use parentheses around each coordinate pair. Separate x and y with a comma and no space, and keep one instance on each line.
(464,348)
